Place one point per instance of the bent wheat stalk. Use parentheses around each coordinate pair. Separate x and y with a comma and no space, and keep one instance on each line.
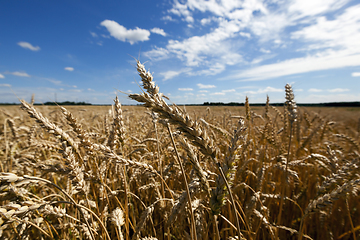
(193,226)
(191,129)
(68,196)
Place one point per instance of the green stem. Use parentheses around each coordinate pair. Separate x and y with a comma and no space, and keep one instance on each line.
(231,199)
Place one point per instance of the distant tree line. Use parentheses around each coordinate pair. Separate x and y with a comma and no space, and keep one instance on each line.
(65,103)
(331,104)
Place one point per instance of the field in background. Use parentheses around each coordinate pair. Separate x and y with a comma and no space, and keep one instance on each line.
(343,114)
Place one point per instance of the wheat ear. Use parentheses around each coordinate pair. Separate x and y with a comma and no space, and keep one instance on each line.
(292,111)
(52,128)
(328,199)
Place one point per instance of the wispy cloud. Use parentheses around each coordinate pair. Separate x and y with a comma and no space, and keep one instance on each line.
(322,61)
(54,81)
(18,74)
(203,86)
(171,74)
(326,41)
(75,90)
(229,90)
(93,34)
(167,18)
(320,98)
(315,90)
(338,90)
(70,69)
(5,85)
(355,74)
(343,31)
(180,9)
(208,49)
(158,31)
(334,90)
(157,54)
(217,93)
(2,76)
(126,35)
(28,46)
(185,89)
(265,90)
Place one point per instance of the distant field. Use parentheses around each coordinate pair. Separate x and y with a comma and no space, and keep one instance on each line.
(345,115)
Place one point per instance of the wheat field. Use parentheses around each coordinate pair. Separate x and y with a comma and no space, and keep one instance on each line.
(161,171)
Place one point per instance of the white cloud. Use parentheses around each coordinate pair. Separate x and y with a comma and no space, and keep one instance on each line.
(304,8)
(185,89)
(181,10)
(54,81)
(270,89)
(91,90)
(197,50)
(93,34)
(170,74)
(315,90)
(167,18)
(19,74)
(202,86)
(5,85)
(323,32)
(217,93)
(343,31)
(189,19)
(75,90)
(157,54)
(203,91)
(231,9)
(245,34)
(269,26)
(158,31)
(355,74)
(321,98)
(322,61)
(338,90)
(210,52)
(28,46)
(70,69)
(2,76)
(126,35)
(263,50)
(212,69)
(265,90)
(205,21)
(229,90)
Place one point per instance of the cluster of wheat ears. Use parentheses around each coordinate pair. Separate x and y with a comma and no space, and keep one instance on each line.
(164,173)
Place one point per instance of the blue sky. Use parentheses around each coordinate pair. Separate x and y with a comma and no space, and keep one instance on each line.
(197,50)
